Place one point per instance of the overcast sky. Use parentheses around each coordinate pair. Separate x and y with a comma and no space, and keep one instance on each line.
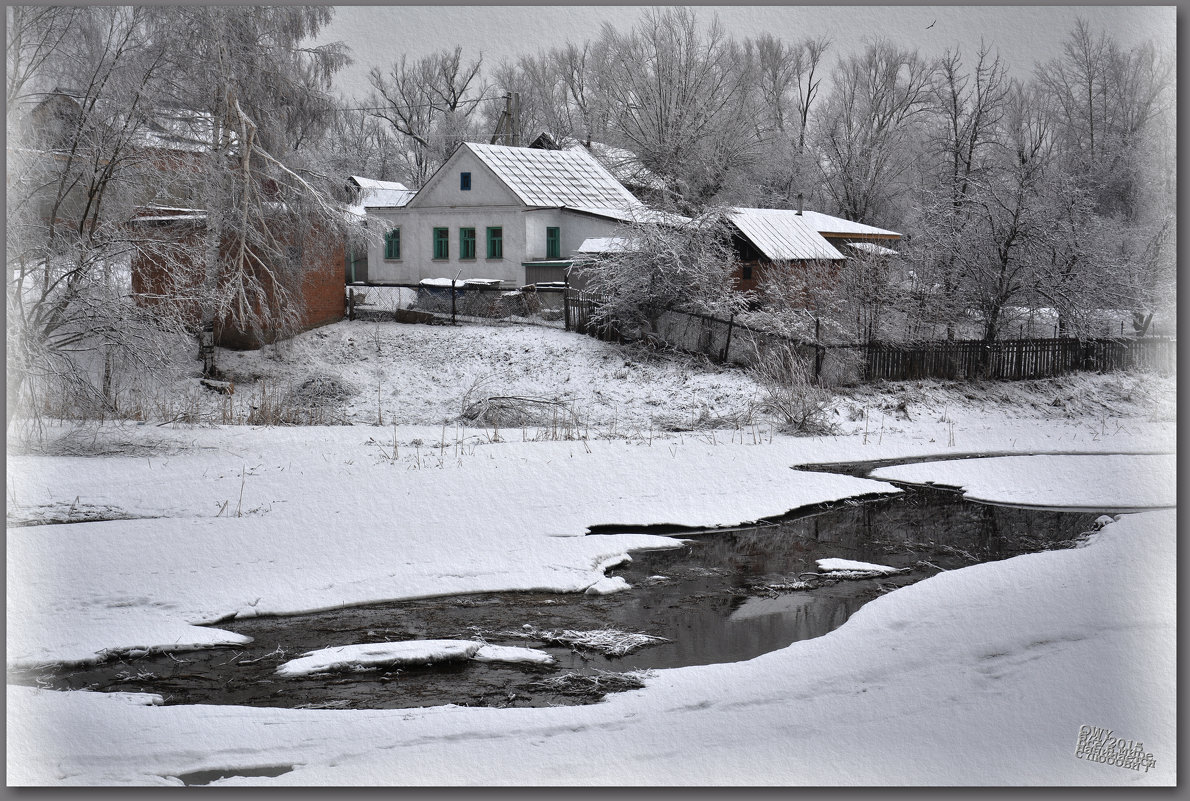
(1024,35)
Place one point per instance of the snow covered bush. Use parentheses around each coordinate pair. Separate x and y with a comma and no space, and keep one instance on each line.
(485,403)
(658,267)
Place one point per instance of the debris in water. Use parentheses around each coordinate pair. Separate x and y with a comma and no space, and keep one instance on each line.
(600,683)
(608,642)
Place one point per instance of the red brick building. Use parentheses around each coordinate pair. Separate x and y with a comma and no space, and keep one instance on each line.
(167,268)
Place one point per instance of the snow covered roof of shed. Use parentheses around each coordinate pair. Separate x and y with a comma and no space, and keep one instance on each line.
(381,194)
(782,234)
(606,244)
(555,178)
(828,225)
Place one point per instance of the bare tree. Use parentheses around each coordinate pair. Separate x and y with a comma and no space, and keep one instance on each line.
(788,77)
(430,104)
(1110,99)
(1002,247)
(863,140)
(677,95)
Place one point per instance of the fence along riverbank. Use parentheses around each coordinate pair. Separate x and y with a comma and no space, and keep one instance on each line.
(1007,359)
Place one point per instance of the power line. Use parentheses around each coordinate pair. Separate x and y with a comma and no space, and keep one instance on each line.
(423,105)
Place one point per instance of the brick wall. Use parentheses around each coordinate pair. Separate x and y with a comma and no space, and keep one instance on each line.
(181,245)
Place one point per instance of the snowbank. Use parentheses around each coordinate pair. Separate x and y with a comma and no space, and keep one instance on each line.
(980,676)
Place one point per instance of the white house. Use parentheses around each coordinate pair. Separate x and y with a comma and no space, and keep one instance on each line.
(509,213)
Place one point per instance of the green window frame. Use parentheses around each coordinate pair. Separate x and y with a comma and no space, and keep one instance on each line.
(466,243)
(392,244)
(553,243)
(441,243)
(465,181)
(495,242)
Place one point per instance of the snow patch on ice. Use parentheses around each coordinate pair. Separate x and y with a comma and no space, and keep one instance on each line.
(833,565)
(512,654)
(609,585)
(367,655)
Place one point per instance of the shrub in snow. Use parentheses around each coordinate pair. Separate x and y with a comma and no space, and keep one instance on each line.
(788,393)
(322,389)
(485,404)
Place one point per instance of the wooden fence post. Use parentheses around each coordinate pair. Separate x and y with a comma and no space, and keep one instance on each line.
(566,302)
(817,349)
(350,304)
(727,345)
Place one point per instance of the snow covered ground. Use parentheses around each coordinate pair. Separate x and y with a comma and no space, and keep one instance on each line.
(981,675)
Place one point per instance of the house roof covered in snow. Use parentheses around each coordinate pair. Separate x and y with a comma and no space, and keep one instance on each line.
(783,234)
(623,164)
(381,194)
(555,178)
(828,225)
(635,214)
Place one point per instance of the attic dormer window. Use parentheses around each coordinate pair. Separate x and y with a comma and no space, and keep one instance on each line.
(465,181)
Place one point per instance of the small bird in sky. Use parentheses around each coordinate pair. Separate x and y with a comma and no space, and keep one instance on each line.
(932,24)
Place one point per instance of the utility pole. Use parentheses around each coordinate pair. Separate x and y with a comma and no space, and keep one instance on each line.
(508,126)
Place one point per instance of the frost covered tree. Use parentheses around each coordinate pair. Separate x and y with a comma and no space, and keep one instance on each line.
(1114,103)
(114,109)
(253,95)
(559,94)
(661,267)
(787,81)
(79,82)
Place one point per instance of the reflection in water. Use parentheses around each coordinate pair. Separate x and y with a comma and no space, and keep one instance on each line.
(706,597)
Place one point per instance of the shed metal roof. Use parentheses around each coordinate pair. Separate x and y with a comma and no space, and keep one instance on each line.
(555,178)
(372,183)
(827,225)
(783,234)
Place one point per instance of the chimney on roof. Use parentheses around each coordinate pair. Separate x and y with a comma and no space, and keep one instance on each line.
(799,204)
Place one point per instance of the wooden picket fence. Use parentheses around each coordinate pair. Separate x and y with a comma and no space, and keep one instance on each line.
(1014,358)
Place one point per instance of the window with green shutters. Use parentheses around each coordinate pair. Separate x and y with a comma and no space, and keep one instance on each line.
(442,243)
(466,243)
(553,243)
(495,243)
(392,244)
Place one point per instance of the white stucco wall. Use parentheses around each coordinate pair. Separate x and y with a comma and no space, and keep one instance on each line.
(417,245)
(443,187)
